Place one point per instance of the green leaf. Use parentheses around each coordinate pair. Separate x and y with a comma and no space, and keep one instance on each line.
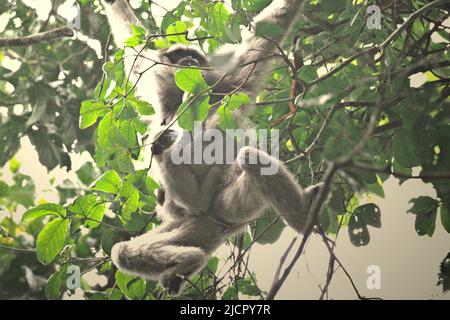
(89,113)
(445,216)
(190,80)
(132,287)
(130,205)
(138,30)
(91,208)
(268,228)
(137,38)
(364,215)
(404,150)
(228,106)
(213,263)
(109,182)
(10,133)
(109,137)
(109,238)
(55,284)
(172,16)
(128,131)
(248,287)
(51,240)
(425,209)
(23,190)
(4,190)
(444,274)
(86,173)
(179,28)
(50,149)
(230,294)
(44,210)
(143,107)
(308,73)
(197,111)
(123,163)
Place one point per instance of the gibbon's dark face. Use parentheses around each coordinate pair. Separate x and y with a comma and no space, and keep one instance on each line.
(186,57)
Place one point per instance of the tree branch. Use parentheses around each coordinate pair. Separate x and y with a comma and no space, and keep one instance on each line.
(37,38)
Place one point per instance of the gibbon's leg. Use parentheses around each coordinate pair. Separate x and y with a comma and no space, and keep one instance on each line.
(154,256)
(280,190)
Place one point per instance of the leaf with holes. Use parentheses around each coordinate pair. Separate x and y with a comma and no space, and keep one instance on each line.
(367,214)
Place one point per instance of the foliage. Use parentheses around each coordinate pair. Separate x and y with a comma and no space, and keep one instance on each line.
(73,101)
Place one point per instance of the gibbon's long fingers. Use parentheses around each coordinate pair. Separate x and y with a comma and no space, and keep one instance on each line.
(120,17)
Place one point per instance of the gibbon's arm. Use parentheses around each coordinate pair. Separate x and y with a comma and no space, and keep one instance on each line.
(120,17)
(281,14)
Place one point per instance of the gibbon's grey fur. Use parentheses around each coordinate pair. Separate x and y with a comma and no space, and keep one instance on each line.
(203,205)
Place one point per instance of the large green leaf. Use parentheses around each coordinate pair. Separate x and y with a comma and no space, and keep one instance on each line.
(425,209)
(43,210)
(190,80)
(268,228)
(51,240)
(132,287)
(89,113)
(109,182)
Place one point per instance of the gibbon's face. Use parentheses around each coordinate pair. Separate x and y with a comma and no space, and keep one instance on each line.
(186,56)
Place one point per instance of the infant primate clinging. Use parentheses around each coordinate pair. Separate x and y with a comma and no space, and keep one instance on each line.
(203,205)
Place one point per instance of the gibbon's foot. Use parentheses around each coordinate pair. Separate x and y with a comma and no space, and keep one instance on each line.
(172,284)
(164,141)
(173,279)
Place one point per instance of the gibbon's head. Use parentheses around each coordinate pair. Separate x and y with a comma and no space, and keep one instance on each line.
(185,56)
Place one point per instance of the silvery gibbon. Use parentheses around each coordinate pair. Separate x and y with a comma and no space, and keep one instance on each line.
(203,204)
